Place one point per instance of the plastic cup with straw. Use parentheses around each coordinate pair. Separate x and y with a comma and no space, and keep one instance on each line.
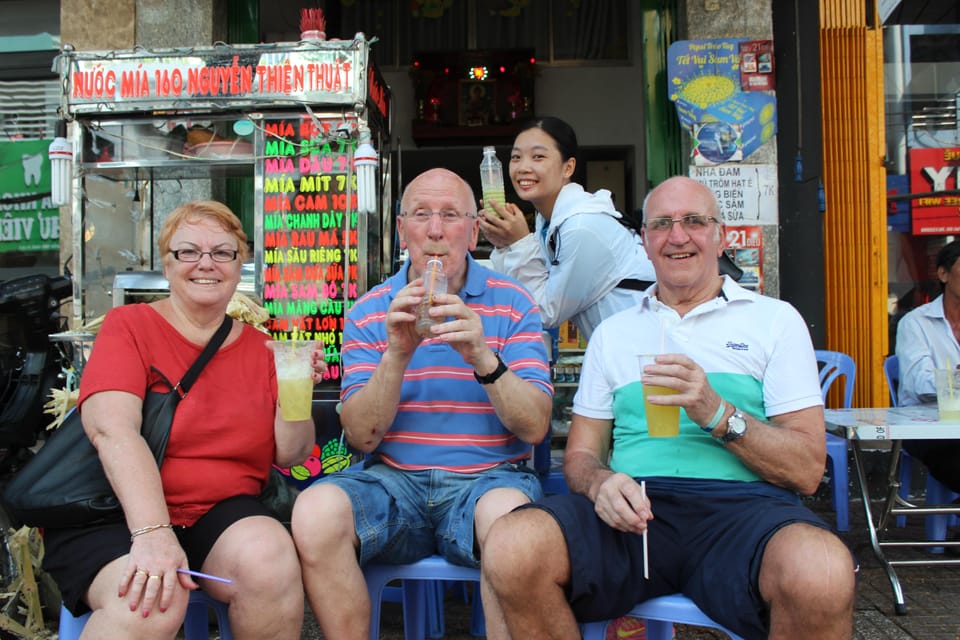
(435,283)
(948,400)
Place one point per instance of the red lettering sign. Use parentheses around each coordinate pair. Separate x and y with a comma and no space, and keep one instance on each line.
(933,171)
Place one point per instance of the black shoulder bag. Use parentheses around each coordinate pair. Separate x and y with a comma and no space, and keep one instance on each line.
(64,484)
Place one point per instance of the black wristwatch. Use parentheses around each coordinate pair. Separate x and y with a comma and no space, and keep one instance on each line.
(492,377)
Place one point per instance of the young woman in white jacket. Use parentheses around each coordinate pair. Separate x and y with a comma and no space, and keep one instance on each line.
(581,262)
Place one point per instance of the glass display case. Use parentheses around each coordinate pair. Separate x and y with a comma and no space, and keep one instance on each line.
(132,173)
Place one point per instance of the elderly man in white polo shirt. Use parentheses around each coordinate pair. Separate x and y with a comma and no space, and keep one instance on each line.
(721,511)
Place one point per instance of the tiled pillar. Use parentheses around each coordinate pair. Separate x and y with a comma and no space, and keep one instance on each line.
(121,24)
(98,25)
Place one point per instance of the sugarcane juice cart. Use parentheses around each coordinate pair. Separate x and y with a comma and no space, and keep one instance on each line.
(294,137)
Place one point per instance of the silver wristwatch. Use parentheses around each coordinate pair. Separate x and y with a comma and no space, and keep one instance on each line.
(736,427)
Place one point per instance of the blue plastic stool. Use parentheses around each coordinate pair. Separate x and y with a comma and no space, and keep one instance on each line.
(839,475)
(552,479)
(837,364)
(423,601)
(659,614)
(71,627)
(195,625)
(417,593)
(935,526)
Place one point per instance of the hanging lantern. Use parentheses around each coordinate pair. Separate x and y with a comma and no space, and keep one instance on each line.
(365,163)
(61,167)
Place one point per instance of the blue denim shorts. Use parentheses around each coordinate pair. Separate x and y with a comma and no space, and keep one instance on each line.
(404,516)
(707,540)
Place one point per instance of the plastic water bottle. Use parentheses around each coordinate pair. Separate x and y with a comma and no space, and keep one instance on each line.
(491,179)
(435,281)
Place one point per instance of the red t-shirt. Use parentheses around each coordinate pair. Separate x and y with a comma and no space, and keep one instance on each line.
(222,441)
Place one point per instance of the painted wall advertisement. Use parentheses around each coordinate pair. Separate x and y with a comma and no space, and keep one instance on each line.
(747,195)
(934,173)
(28,222)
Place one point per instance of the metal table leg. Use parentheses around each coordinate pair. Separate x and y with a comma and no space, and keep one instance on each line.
(900,605)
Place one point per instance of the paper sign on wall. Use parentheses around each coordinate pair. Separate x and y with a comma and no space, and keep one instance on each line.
(747,193)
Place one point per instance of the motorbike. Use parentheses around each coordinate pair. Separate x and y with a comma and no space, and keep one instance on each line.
(30,363)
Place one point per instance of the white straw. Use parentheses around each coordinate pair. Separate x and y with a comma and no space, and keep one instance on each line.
(646,562)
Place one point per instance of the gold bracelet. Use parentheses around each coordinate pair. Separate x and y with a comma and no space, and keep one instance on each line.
(153,527)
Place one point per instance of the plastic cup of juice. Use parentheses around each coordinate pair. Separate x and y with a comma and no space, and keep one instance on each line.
(662,421)
(948,393)
(294,362)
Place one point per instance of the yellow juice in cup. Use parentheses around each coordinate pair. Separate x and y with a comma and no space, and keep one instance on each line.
(948,393)
(293,360)
(296,398)
(662,421)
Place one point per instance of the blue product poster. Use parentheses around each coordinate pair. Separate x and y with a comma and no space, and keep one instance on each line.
(726,123)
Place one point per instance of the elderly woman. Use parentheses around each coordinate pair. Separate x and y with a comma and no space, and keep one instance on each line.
(200,510)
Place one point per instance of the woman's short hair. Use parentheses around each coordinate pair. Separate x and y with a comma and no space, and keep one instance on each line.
(562,133)
(196,211)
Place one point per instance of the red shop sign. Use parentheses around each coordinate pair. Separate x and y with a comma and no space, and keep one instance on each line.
(934,172)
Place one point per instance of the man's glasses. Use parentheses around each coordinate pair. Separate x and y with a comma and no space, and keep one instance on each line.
(691,222)
(447,216)
(193,255)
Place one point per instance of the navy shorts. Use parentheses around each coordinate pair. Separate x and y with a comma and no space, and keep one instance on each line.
(403,516)
(706,540)
(74,557)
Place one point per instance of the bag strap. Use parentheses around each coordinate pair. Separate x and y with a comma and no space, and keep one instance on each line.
(633,284)
(194,371)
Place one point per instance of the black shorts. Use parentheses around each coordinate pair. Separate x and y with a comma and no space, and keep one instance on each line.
(706,540)
(74,557)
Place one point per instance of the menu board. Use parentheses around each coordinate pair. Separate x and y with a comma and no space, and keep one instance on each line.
(310,239)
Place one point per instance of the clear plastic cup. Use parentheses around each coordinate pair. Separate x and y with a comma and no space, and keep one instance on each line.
(948,393)
(435,282)
(294,361)
(662,421)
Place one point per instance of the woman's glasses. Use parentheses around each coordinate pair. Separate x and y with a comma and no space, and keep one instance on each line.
(194,255)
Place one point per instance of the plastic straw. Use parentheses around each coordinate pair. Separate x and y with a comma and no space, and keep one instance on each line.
(646,562)
(205,575)
(433,283)
(950,377)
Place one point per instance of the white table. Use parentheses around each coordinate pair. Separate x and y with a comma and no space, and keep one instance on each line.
(894,424)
